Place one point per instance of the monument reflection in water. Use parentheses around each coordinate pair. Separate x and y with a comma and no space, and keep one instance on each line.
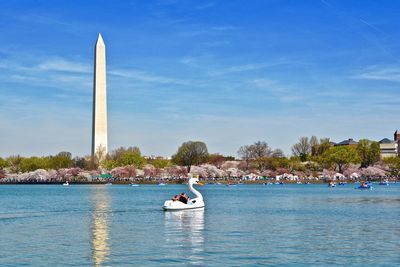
(185,230)
(100,225)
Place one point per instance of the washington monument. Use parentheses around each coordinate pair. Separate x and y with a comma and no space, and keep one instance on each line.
(99,127)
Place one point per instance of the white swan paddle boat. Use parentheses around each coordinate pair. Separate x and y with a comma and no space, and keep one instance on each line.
(195,203)
(66,183)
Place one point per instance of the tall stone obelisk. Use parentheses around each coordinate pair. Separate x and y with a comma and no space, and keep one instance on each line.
(99,127)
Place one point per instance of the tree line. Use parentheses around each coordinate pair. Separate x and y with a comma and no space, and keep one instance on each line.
(310,155)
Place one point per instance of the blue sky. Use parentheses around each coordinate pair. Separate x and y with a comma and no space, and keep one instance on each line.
(225,72)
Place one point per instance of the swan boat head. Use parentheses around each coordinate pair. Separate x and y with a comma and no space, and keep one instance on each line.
(193,181)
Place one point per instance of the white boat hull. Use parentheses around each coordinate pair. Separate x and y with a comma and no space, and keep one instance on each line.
(178,205)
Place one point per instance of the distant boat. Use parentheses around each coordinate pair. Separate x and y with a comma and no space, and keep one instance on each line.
(386,182)
(66,183)
(298,182)
(365,186)
(132,184)
(162,184)
(230,184)
(368,187)
(108,184)
(332,184)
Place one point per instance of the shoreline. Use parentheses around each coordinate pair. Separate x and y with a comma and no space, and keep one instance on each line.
(170,183)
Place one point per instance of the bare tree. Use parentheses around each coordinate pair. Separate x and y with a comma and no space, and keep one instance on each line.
(15,163)
(245,154)
(314,144)
(260,149)
(257,152)
(324,145)
(277,153)
(115,154)
(302,149)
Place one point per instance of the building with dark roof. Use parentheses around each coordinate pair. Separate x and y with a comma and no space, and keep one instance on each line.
(348,142)
(386,141)
(389,148)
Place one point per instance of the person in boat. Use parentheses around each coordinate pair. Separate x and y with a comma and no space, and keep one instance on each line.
(364,185)
(183,198)
(175,198)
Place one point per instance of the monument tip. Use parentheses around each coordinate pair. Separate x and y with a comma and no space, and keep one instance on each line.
(100,39)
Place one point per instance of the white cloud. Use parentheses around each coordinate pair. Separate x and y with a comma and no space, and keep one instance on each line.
(253,66)
(40,19)
(24,78)
(205,6)
(391,74)
(64,65)
(200,30)
(146,77)
(264,82)
(188,60)
(223,28)
(202,61)
(20,64)
(235,69)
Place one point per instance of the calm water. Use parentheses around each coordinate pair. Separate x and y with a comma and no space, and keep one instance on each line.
(248,225)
